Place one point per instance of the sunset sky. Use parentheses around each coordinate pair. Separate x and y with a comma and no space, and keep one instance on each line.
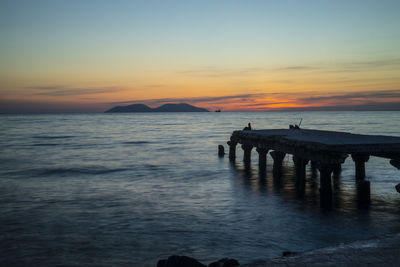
(74,56)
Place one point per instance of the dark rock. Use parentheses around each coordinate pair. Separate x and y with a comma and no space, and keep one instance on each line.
(225,262)
(161,263)
(221,151)
(395,163)
(288,253)
(398,188)
(179,261)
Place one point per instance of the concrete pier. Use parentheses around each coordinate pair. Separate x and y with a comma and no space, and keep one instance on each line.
(232,149)
(326,150)
(247,152)
(300,165)
(278,159)
(359,160)
(262,158)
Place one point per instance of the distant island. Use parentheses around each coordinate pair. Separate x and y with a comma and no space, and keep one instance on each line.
(182,107)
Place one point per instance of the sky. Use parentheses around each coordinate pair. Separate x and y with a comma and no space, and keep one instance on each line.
(248,55)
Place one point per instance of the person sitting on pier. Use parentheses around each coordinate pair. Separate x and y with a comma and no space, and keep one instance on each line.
(248,127)
(296,127)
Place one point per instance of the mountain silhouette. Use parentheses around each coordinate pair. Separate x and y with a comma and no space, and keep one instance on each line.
(131,108)
(182,107)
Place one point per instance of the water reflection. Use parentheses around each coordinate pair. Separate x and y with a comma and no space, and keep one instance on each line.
(284,181)
(262,179)
(363,193)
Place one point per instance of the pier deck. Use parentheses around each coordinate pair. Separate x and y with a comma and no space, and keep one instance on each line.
(316,141)
(326,150)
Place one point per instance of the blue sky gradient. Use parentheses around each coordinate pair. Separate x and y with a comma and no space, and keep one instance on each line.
(134,44)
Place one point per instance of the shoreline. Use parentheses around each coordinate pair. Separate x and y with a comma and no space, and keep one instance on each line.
(383,251)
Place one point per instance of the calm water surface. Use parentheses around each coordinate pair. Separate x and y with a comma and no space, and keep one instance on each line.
(129,189)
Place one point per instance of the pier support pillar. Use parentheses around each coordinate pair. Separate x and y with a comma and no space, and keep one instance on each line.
(337,169)
(221,151)
(262,158)
(232,150)
(278,159)
(313,165)
(300,165)
(325,172)
(396,163)
(247,153)
(360,160)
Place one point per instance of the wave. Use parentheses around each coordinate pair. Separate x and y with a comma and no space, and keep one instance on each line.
(44,172)
(53,137)
(84,170)
(136,142)
(46,144)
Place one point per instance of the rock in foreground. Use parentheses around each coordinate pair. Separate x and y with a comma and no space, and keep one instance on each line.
(184,261)
(179,261)
(224,263)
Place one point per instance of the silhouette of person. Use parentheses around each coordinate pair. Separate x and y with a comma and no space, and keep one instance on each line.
(248,127)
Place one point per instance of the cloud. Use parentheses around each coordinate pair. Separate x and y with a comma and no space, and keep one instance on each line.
(360,66)
(368,106)
(374,100)
(61,90)
(216,72)
(267,103)
(375,63)
(154,85)
(297,68)
(292,101)
(32,106)
(324,67)
(194,99)
(355,96)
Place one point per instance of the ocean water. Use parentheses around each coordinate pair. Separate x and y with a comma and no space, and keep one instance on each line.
(129,189)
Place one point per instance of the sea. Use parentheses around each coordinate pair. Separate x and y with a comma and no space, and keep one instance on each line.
(129,189)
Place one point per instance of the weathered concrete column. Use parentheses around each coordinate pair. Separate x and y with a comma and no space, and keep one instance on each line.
(313,165)
(232,149)
(262,158)
(314,171)
(221,151)
(325,173)
(278,158)
(337,169)
(247,153)
(396,163)
(360,160)
(300,165)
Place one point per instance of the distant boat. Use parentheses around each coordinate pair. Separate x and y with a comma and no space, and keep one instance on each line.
(218,110)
